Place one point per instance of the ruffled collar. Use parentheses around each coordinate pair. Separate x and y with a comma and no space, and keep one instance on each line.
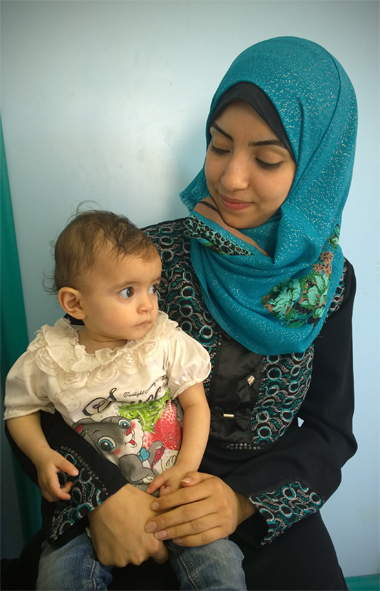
(57,347)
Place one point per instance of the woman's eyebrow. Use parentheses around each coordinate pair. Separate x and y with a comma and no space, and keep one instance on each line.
(274,142)
(268,143)
(227,135)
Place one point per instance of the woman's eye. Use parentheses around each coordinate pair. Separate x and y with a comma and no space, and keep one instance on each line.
(218,151)
(153,289)
(126,293)
(268,165)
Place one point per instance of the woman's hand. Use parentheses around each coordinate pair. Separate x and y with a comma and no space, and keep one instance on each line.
(118,529)
(204,510)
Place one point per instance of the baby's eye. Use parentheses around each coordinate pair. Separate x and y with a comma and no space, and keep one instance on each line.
(154,288)
(127,292)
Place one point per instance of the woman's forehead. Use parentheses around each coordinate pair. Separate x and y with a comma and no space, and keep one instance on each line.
(302,81)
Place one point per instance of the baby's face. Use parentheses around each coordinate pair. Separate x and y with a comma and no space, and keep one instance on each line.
(120,297)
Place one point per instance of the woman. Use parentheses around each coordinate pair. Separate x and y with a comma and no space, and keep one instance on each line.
(256,275)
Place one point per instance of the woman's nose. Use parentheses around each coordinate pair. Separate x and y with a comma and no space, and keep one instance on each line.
(236,174)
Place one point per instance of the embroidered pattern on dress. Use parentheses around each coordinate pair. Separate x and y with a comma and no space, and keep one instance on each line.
(285,379)
(285,506)
(179,290)
(195,228)
(297,302)
(87,493)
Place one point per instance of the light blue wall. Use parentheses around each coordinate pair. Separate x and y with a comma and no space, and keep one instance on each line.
(107,101)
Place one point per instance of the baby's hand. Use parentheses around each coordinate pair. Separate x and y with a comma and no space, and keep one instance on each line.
(48,465)
(169,481)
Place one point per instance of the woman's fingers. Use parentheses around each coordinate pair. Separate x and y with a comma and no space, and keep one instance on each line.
(117,529)
(203,511)
(197,532)
(194,490)
(187,517)
(206,537)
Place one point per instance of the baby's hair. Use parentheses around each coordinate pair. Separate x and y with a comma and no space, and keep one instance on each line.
(78,245)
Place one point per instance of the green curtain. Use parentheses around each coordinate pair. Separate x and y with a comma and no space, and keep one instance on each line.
(14,337)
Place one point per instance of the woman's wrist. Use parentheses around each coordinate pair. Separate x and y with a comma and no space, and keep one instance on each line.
(245,508)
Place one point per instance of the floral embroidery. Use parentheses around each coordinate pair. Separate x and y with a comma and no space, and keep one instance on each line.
(334,238)
(302,301)
(87,493)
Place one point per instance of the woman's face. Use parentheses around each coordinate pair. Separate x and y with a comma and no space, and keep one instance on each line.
(249,173)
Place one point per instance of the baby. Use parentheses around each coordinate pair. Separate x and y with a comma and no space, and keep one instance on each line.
(124,380)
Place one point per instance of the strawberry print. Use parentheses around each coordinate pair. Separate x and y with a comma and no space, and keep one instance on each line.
(159,421)
(150,438)
(168,428)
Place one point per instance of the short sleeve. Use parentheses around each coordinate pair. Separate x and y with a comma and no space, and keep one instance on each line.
(187,362)
(24,392)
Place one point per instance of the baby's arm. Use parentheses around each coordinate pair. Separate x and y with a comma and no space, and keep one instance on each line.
(196,428)
(27,433)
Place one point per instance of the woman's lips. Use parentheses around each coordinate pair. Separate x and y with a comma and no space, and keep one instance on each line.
(233,203)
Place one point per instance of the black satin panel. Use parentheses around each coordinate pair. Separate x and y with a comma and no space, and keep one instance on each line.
(232,395)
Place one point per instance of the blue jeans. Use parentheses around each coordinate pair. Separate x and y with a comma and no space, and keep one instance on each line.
(74,567)
(216,566)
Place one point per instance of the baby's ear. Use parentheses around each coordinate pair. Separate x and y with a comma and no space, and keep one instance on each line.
(71,301)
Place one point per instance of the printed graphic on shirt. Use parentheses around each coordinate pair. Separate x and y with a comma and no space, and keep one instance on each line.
(143,439)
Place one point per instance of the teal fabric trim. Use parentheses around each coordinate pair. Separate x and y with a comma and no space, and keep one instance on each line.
(14,337)
(290,503)
(367,583)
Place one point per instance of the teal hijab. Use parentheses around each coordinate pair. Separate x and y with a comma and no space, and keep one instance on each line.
(278,303)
